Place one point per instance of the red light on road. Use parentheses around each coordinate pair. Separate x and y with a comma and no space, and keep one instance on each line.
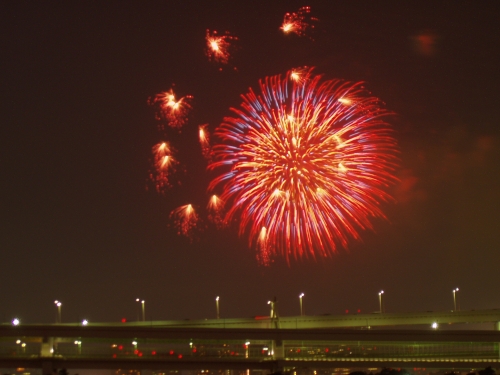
(327,350)
(114,355)
(171,352)
(120,347)
(179,356)
(124,320)
(194,350)
(153,352)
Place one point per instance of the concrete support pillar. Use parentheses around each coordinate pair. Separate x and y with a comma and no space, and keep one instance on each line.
(278,349)
(47,349)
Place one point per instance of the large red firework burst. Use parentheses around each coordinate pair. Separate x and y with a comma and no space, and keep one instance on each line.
(305,163)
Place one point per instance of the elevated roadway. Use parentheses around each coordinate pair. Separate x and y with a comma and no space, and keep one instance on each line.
(262,343)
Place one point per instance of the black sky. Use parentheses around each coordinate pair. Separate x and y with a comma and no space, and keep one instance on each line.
(79,224)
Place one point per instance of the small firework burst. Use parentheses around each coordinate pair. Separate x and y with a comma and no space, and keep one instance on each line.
(215,209)
(185,220)
(204,136)
(300,75)
(298,22)
(170,109)
(219,46)
(264,251)
(163,166)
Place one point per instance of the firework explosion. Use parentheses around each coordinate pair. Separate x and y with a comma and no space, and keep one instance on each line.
(299,22)
(185,220)
(215,211)
(304,165)
(219,46)
(204,141)
(173,111)
(163,166)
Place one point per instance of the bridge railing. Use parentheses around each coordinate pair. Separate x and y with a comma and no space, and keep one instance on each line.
(239,350)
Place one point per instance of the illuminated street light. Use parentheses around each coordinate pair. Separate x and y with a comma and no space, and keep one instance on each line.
(300,299)
(455,298)
(79,343)
(434,325)
(272,308)
(143,308)
(58,304)
(380,302)
(247,345)
(16,322)
(217,306)
(85,322)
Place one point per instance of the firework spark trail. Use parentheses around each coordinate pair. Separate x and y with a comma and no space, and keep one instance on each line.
(264,252)
(219,46)
(163,166)
(215,209)
(173,111)
(300,75)
(298,22)
(204,137)
(185,220)
(308,160)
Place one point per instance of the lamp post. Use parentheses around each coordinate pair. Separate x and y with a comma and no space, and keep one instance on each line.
(300,299)
(79,343)
(272,308)
(143,308)
(380,302)
(58,304)
(217,306)
(455,298)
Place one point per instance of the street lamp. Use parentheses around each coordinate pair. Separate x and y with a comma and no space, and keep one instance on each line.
(58,304)
(217,306)
(300,299)
(247,345)
(380,294)
(272,308)
(143,308)
(434,325)
(79,343)
(455,298)
(85,322)
(15,322)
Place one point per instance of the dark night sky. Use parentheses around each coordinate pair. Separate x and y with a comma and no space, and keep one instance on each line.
(78,224)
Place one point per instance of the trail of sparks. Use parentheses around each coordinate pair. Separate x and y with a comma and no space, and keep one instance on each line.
(163,166)
(264,251)
(204,137)
(219,46)
(185,220)
(299,22)
(215,209)
(173,111)
(308,160)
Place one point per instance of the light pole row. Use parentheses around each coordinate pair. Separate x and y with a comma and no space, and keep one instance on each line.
(141,306)
(456,304)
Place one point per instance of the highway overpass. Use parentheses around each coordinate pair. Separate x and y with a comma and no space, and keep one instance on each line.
(262,343)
